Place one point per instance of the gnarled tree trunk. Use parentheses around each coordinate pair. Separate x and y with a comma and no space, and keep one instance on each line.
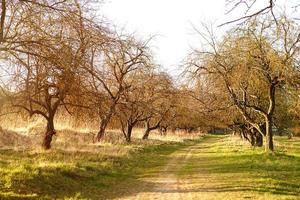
(146,134)
(148,128)
(50,131)
(104,122)
(101,132)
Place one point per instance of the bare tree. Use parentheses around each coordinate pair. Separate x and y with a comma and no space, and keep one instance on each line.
(111,63)
(252,67)
(251,11)
(17,15)
(133,108)
(46,73)
(160,101)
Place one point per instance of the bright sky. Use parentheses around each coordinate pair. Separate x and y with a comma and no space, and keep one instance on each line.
(170,20)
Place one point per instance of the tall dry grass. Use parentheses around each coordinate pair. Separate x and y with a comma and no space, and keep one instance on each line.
(28,135)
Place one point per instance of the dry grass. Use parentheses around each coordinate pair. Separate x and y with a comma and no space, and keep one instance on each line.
(81,139)
(28,172)
(74,162)
(78,169)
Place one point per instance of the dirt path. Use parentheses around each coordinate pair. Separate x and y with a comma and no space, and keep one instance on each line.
(218,167)
(167,183)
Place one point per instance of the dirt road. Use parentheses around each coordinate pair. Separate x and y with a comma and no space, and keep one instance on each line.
(169,183)
(220,168)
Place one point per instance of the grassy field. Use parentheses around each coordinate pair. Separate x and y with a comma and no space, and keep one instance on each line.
(219,168)
(61,174)
(226,168)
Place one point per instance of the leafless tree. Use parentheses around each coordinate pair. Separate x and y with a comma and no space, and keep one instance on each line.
(46,72)
(160,101)
(111,63)
(269,66)
(133,107)
(268,8)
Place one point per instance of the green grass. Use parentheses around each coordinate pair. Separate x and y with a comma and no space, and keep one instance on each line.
(76,175)
(219,167)
(233,170)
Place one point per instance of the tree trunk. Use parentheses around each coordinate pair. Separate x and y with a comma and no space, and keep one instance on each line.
(243,134)
(149,128)
(146,134)
(269,135)
(163,130)
(269,146)
(258,140)
(102,129)
(49,133)
(105,122)
(128,132)
(252,139)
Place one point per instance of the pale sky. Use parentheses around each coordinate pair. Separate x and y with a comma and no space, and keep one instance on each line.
(170,21)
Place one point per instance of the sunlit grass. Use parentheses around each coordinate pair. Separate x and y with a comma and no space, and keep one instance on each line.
(54,174)
(219,168)
(230,169)
(80,171)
